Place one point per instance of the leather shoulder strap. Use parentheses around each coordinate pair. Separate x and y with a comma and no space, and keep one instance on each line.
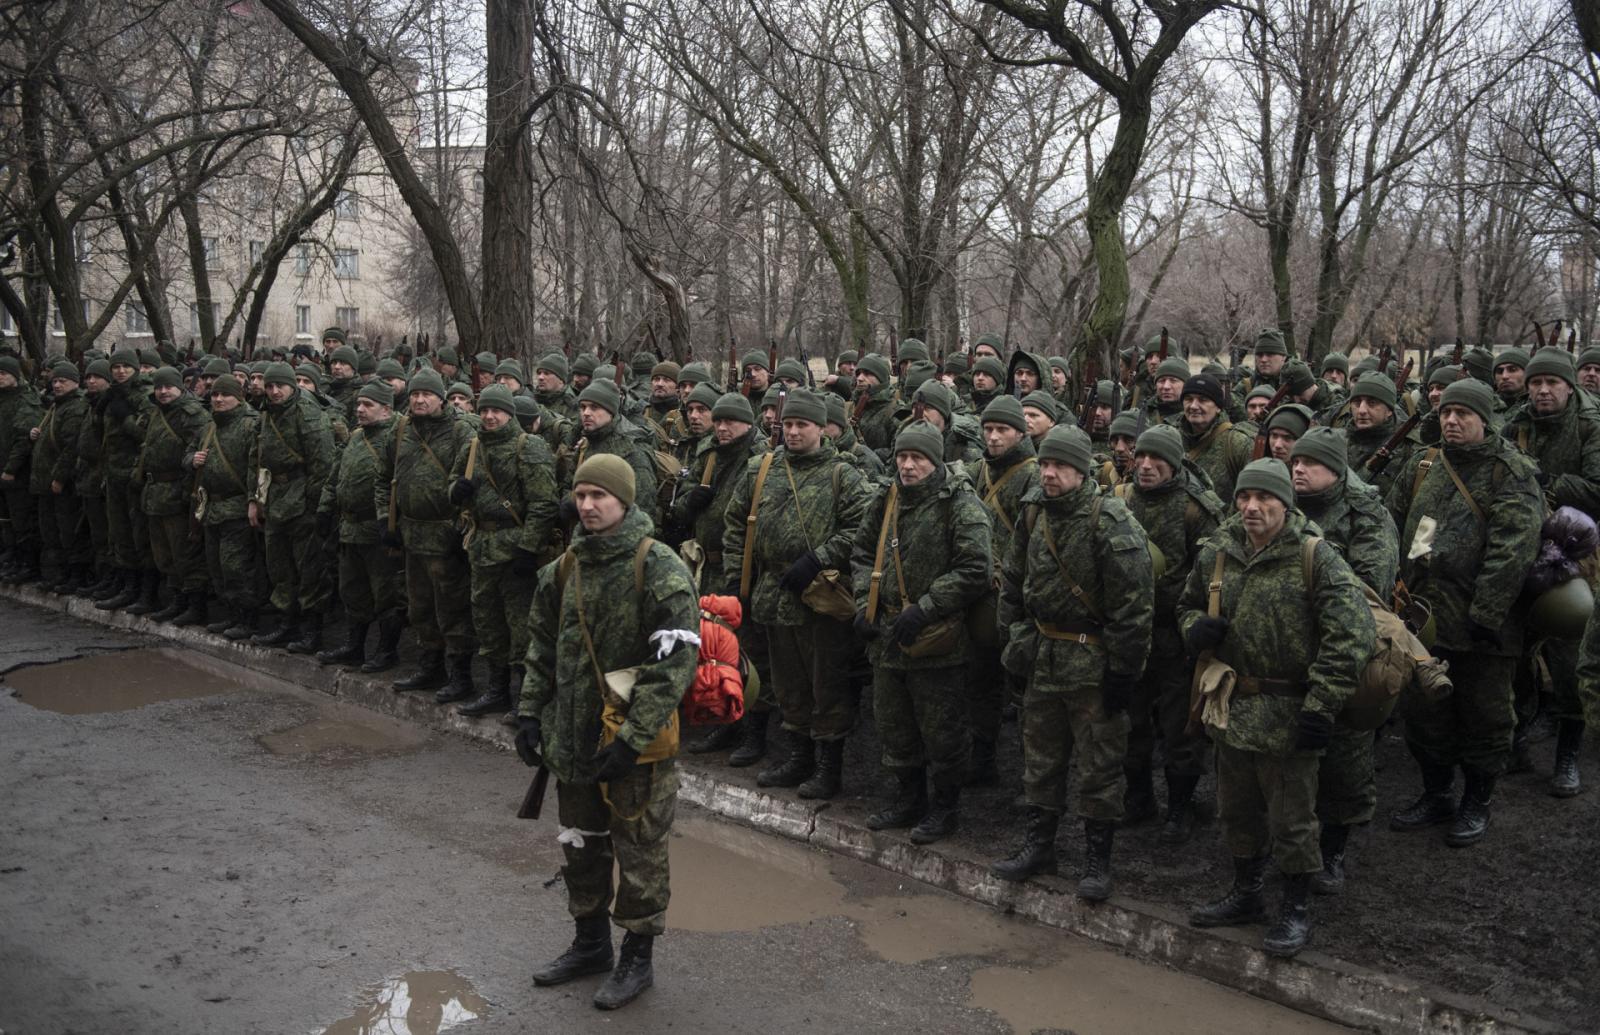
(750,524)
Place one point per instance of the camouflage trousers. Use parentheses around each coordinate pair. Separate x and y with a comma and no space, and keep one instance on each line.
(297,566)
(1268,803)
(1056,722)
(99,530)
(24,514)
(1347,785)
(500,603)
(439,601)
(61,529)
(129,529)
(753,642)
(371,583)
(1161,702)
(811,676)
(1472,727)
(177,556)
(631,835)
(922,720)
(1547,674)
(235,564)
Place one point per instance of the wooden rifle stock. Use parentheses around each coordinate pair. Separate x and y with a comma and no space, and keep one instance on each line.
(1260,448)
(1379,460)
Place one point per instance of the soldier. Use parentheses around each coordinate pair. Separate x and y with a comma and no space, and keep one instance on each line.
(483,376)
(617,600)
(123,414)
(89,480)
(1255,407)
(690,376)
(459,398)
(1177,510)
(1589,370)
(756,374)
(695,424)
(344,386)
(921,559)
(1039,410)
(1144,382)
(1165,402)
(1469,514)
(1298,646)
(793,517)
(220,454)
(412,496)
(391,373)
(1101,413)
(1352,516)
(1284,428)
(987,375)
(1117,467)
(1336,369)
(1372,425)
(1428,428)
(1510,377)
(963,439)
(875,420)
(447,362)
(583,369)
(1025,373)
(598,407)
(1077,593)
(177,420)
(1555,430)
(52,479)
(508,375)
(1271,354)
(844,439)
(1210,440)
(370,579)
(550,386)
(19,414)
(662,415)
(791,373)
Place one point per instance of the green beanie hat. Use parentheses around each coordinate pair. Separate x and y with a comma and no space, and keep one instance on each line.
(706,394)
(1266,475)
(667,368)
(64,370)
(694,374)
(1336,361)
(510,368)
(791,369)
(1162,442)
(1553,363)
(1152,346)
(1270,343)
(125,358)
(278,373)
(99,368)
(955,365)
(642,362)
(1326,446)
(836,412)
(913,349)
(1516,357)
(1069,445)
(345,354)
(917,373)
(802,404)
(227,384)
(311,370)
(366,363)
(847,356)
(1473,394)
(1294,418)
(527,409)
(216,366)
(427,380)
(554,363)
(1044,402)
(1005,410)
(447,356)
(733,406)
(1173,366)
(1297,376)
(608,471)
(921,437)
(1261,392)
(993,340)
(1215,369)
(499,397)
(603,393)
(260,367)
(1124,425)
(389,368)
(336,333)
(1105,393)
(460,388)
(1374,385)
(1479,363)
(9,364)
(936,396)
(169,377)
(754,359)
(1589,356)
(584,364)
(875,365)
(1446,375)
(991,366)
(378,391)
(606,372)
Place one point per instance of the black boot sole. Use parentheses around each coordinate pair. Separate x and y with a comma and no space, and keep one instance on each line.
(552,978)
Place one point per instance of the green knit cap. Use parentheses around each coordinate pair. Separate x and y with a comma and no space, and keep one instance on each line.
(510,368)
(1044,402)
(1270,343)
(1553,363)
(1336,361)
(1162,442)
(227,384)
(991,366)
(936,396)
(553,362)
(498,397)
(610,472)
(426,380)
(1173,366)
(277,374)
(921,437)
(99,368)
(1266,475)
(603,393)
(1515,357)
(1471,393)
(875,365)
(1326,446)
(706,394)
(803,404)
(1005,410)
(378,391)
(169,377)
(1293,418)
(1374,386)
(733,406)
(1069,445)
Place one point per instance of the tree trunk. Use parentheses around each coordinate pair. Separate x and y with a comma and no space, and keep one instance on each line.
(1103,217)
(508,182)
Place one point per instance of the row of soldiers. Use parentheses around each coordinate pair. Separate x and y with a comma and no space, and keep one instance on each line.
(978,535)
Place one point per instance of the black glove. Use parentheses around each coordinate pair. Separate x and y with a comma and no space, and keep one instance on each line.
(864,629)
(325,524)
(908,624)
(614,761)
(118,408)
(801,573)
(698,498)
(1313,730)
(461,490)
(1205,633)
(1483,636)
(527,740)
(390,539)
(568,511)
(524,563)
(1116,693)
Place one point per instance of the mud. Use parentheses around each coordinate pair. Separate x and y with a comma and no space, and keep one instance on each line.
(421,1002)
(343,737)
(117,682)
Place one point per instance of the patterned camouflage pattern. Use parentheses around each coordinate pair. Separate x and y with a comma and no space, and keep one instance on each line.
(55,451)
(1267,803)
(229,440)
(1364,445)
(1002,495)
(921,717)
(705,524)
(854,452)
(1352,517)
(163,460)
(1566,446)
(562,403)
(1220,452)
(417,469)
(236,563)
(619,439)
(879,421)
(636,848)
(122,435)
(294,443)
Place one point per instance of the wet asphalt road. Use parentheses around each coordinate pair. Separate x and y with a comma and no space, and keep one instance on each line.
(186,847)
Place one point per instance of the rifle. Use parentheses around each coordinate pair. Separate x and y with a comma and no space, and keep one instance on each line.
(650,329)
(1260,448)
(476,370)
(805,361)
(736,379)
(1402,377)
(1379,460)
(777,418)
(566,349)
(1455,358)
(772,358)
(1538,336)
(894,351)
(1572,341)
(533,800)
(1384,359)
(616,372)
(1091,374)
(1163,344)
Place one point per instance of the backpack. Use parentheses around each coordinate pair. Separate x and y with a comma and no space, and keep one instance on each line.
(717,695)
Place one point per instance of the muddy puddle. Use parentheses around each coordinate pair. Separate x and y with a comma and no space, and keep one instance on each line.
(117,682)
(343,737)
(422,1002)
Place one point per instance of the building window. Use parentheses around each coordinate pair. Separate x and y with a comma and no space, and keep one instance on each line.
(6,326)
(302,319)
(347,317)
(194,317)
(347,207)
(138,322)
(87,319)
(55,319)
(302,259)
(346,263)
(213,252)
(257,250)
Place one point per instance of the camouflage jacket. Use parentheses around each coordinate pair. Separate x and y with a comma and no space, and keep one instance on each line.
(163,462)
(416,469)
(514,505)
(879,422)
(229,439)
(352,485)
(1221,451)
(1352,517)
(963,441)
(1469,567)
(20,411)
(128,407)
(561,686)
(1108,561)
(1001,491)
(687,448)
(1143,390)
(942,530)
(1364,445)
(343,394)
(1277,630)
(89,479)
(1177,516)
(295,444)
(563,402)
(55,451)
(818,510)
(667,424)
(727,464)
(1566,446)
(618,439)
(853,452)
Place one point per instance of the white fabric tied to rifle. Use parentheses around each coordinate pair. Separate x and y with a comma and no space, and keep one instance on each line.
(574,837)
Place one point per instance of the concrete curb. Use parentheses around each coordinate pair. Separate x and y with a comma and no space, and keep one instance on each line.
(1312,983)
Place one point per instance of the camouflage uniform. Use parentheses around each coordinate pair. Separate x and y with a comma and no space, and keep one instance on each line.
(879,421)
(124,414)
(20,412)
(560,691)
(1220,452)
(1001,484)
(370,578)
(89,482)
(295,444)
(167,498)
(55,458)
(705,522)
(617,438)
(1364,445)
(853,452)
(233,551)
(562,402)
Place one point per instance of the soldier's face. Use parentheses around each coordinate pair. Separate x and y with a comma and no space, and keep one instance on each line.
(760,379)
(305,383)
(801,436)
(729,430)
(1151,471)
(698,417)
(1256,409)
(580,382)
(1589,376)
(1169,389)
(1459,426)
(7,379)
(510,383)
(1102,418)
(1434,391)
(342,371)
(662,388)
(598,511)
(447,371)
(277,393)
(1199,410)
(329,344)
(1025,378)
(60,386)
(1548,394)
(257,382)
(912,467)
(1037,420)
(1122,449)
(684,390)
(592,416)
(1057,477)
(494,418)
(1310,477)
(1058,378)
(1261,512)
(167,393)
(934,417)
(1151,362)
(1269,363)
(1368,413)
(1333,375)
(983,382)
(461,402)
(1280,443)
(120,372)
(1000,439)
(545,381)
(424,404)
(866,380)
(94,384)
(849,369)
(224,403)
(1508,378)
(986,350)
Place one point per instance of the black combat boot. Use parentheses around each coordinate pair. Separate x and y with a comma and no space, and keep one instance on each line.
(752,740)
(1178,826)
(308,639)
(944,815)
(222,618)
(1139,800)
(194,609)
(387,655)
(826,779)
(459,686)
(245,627)
(496,697)
(172,608)
(1291,931)
(1330,879)
(430,673)
(27,569)
(1472,817)
(1569,742)
(1095,884)
(1242,904)
(793,770)
(632,975)
(589,953)
(982,770)
(717,738)
(1038,852)
(107,583)
(910,802)
(149,598)
(354,651)
(124,592)
(280,634)
(1434,807)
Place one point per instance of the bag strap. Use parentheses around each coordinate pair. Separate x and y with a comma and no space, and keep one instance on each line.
(877,560)
(711,465)
(568,567)
(1308,560)
(750,524)
(1199,447)
(275,432)
(1214,590)
(1436,454)
(1072,584)
(992,487)
(222,454)
(431,454)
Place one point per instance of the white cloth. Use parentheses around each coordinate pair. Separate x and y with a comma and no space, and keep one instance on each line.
(667,640)
(574,837)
